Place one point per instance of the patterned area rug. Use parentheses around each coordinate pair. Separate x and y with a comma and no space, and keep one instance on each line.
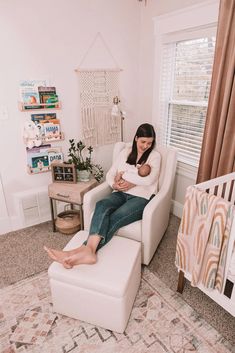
(160,322)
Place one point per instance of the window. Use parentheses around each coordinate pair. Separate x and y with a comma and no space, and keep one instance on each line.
(184,90)
(185,80)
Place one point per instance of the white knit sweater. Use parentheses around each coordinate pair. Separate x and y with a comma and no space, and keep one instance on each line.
(145,186)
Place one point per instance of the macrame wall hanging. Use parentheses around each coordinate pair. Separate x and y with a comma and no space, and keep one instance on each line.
(98,87)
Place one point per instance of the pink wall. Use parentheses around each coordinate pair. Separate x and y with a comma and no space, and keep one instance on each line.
(48,39)
(147,48)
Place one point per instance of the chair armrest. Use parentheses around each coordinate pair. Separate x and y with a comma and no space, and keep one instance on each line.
(90,199)
(154,223)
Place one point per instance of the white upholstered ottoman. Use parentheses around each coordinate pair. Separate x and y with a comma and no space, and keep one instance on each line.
(102,294)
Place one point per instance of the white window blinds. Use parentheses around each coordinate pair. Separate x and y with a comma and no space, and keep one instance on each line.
(184,90)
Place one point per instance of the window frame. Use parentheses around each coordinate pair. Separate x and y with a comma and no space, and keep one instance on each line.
(173,127)
(180,25)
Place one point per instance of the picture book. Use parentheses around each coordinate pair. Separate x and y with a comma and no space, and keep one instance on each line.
(46,93)
(42,120)
(38,118)
(29,93)
(39,149)
(39,159)
(40,163)
(55,157)
(52,121)
(51,131)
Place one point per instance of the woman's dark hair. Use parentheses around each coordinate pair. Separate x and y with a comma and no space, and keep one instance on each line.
(144,130)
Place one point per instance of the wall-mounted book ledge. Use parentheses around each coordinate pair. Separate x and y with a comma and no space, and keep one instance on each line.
(47,138)
(26,107)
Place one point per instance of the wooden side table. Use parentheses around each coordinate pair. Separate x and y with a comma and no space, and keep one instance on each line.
(69,193)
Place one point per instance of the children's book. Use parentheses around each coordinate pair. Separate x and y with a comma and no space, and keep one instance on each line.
(55,157)
(48,95)
(42,118)
(37,159)
(51,131)
(29,93)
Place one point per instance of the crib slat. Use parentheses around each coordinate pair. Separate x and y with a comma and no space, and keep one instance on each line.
(220,190)
(227,190)
(233,195)
(212,190)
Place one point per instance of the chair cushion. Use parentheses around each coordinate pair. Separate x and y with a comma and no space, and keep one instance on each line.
(132,231)
(112,272)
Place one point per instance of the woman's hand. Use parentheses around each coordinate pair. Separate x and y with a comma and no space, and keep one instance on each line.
(118,177)
(123,185)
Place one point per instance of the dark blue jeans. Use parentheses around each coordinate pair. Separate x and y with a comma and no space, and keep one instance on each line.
(113,212)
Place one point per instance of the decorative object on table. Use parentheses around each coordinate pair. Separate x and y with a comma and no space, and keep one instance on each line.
(68,222)
(63,172)
(97,89)
(82,160)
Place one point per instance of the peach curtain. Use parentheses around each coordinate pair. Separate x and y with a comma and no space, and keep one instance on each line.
(218,147)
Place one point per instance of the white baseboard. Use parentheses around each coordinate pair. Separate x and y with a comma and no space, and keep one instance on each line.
(6,226)
(15,223)
(177,208)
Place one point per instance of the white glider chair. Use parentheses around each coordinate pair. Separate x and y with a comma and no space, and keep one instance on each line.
(150,230)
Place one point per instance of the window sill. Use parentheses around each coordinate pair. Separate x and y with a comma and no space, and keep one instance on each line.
(186,170)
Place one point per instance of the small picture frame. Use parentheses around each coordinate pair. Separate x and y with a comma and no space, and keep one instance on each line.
(63,173)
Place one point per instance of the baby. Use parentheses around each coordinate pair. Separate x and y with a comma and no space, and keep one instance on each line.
(142,170)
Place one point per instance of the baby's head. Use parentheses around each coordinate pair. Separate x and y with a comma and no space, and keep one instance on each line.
(144,170)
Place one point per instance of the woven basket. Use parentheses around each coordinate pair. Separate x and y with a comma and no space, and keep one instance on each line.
(68,222)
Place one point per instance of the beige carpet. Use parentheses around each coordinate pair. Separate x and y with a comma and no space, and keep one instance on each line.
(160,322)
(22,255)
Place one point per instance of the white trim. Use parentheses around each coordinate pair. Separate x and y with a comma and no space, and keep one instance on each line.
(5,221)
(186,170)
(177,208)
(192,17)
(5,225)
(188,34)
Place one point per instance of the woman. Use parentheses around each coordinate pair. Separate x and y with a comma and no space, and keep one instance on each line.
(125,204)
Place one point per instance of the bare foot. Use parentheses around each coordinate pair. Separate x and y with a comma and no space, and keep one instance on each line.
(85,256)
(60,255)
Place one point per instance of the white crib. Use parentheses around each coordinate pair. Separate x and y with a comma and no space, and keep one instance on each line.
(223,186)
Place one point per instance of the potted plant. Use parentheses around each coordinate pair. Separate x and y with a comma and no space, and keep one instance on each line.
(80,156)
